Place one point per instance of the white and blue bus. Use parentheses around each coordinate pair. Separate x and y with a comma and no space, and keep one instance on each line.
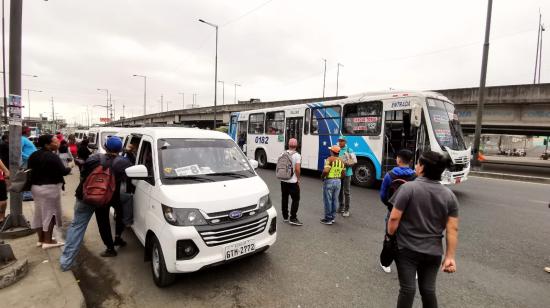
(376,126)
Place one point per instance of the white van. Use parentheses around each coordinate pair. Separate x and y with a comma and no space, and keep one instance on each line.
(98,135)
(198,201)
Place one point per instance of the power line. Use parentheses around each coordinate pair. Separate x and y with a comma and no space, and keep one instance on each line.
(247,13)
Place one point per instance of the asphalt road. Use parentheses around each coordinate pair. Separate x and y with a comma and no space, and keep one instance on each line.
(503,247)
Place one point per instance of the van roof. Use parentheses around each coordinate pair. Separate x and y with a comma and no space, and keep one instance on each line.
(175,132)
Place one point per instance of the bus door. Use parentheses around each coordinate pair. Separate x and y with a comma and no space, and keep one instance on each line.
(233,127)
(294,129)
(398,134)
(241,134)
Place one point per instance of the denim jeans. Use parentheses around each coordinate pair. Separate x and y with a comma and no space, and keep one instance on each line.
(331,189)
(75,234)
(409,263)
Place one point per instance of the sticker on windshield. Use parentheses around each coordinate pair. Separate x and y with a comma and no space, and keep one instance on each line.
(192,170)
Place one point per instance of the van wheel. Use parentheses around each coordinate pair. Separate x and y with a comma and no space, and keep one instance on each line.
(261,157)
(364,174)
(161,276)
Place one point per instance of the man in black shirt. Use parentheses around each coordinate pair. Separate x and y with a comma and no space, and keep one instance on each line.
(83,212)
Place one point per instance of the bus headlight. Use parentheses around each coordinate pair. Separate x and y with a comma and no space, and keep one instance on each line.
(183,217)
(264,203)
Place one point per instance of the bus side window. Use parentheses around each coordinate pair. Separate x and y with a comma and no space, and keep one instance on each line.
(306,121)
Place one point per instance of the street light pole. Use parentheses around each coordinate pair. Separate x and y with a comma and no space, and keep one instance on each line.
(215,70)
(324,76)
(235,97)
(144,92)
(538,49)
(223,92)
(29,99)
(338,75)
(482,85)
(182,100)
(542,29)
(107,106)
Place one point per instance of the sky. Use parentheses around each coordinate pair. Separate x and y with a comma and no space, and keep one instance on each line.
(273,49)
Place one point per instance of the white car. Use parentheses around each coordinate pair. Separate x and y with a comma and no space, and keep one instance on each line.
(198,201)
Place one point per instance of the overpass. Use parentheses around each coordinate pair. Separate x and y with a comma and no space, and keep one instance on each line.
(512,109)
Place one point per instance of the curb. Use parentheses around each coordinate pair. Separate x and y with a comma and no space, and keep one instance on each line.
(13,273)
(66,281)
(512,177)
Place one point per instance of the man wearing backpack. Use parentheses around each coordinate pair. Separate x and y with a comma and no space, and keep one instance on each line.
(97,197)
(393,179)
(347,155)
(288,171)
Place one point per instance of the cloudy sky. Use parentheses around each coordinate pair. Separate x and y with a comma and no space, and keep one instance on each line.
(275,49)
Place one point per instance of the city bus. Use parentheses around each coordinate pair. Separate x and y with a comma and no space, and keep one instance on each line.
(376,126)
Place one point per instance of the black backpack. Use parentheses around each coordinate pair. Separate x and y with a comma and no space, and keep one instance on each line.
(396,182)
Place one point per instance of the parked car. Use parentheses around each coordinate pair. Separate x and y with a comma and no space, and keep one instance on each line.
(198,201)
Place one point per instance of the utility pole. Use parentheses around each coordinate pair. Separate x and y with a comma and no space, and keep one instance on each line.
(15,224)
(161,102)
(54,123)
(483,78)
(123,107)
(182,100)
(538,48)
(324,76)
(110,106)
(542,29)
(215,70)
(235,96)
(223,91)
(4,67)
(29,99)
(338,75)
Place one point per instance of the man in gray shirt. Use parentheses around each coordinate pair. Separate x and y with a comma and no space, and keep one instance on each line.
(422,210)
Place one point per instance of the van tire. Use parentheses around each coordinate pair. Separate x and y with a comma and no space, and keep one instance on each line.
(261,157)
(161,276)
(364,174)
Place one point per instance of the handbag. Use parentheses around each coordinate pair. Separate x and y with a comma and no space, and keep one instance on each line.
(21,181)
(389,250)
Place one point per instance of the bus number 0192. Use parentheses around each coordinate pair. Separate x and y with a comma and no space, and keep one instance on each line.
(263,140)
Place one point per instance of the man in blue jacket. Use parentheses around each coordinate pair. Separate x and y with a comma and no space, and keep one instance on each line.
(393,179)
(27,148)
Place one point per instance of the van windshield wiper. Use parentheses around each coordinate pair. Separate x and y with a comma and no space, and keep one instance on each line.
(229,174)
(191,177)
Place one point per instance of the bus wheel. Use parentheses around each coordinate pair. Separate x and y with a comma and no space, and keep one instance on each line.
(364,174)
(261,157)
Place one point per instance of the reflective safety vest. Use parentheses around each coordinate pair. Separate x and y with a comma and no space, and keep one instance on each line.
(336,168)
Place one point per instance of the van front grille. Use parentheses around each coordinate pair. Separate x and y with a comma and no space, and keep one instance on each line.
(230,232)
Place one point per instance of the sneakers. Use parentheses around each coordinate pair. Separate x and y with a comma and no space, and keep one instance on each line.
(109,253)
(285,219)
(119,241)
(340,210)
(325,221)
(345,214)
(295,222)
(547,269)
(386,269)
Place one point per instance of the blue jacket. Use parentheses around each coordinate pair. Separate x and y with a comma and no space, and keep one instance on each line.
(27,148)
(397,171)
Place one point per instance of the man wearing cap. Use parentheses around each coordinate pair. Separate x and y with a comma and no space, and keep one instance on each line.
(346,154)
(291,187)
(333,172)
(83,212)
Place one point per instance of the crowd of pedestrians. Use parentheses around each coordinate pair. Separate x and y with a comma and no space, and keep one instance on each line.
(420,210)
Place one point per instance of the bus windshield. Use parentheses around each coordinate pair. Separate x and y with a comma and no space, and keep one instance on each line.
(447,129)
(209,160)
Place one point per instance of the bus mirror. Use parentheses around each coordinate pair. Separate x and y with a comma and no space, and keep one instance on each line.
(416,116)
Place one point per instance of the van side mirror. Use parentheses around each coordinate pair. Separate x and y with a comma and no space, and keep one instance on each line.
(253,163)
(137,172)
(416,115)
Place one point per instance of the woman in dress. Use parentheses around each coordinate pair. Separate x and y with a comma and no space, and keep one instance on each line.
(46,179)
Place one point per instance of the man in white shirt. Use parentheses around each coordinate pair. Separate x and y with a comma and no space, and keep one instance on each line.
(291,187)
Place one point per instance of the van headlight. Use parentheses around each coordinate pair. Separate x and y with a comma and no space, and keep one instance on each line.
(183,217)
(264,203)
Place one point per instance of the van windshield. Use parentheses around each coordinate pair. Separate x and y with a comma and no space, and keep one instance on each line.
(201,160)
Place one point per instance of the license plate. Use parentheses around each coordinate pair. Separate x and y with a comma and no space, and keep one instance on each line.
(238,249)
(457,180)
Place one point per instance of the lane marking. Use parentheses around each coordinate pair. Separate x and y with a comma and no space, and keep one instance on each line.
(515,181)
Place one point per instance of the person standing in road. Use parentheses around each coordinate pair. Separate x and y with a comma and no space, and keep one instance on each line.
(73,147)
(47,179)
(333,172)
(65,154)
(392,181)
(4,175)
(83,153)
(83,212)
(347,155)
(422,210)
(27,148)
(291,187)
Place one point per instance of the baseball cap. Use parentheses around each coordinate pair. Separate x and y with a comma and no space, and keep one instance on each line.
(335,149)
(113,144)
